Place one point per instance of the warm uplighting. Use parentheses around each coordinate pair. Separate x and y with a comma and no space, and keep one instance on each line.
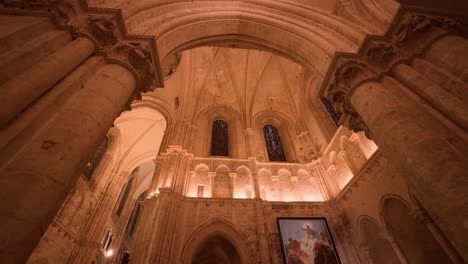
(109,253)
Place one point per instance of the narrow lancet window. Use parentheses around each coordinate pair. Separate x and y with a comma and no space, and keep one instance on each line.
(219,138)
(273,143)
(330,106)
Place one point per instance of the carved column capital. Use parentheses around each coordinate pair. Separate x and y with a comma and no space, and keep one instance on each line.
(274,178)
(233,175)
(294,179)
(139,60)
(211,174)
(101,30)
(420,216)
(416,30)
(191,174)
(63,10)
(349,74)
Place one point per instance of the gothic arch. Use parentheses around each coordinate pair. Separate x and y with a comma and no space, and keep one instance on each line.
(222,228)
(382,202)
(416,242)
(286,129)
(157,104)
(316,34)
(204,121)
(201,167)
(224,167)
(379,248)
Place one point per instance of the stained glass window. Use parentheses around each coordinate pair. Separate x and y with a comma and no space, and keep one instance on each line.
(330,106)
(219,138)
(273,142)
(93,163)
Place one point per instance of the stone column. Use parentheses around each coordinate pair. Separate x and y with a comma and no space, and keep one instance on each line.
(321,181)
(44,172)
(334,181)
(158,164)
(191,174)
(428,154)
(453,107)
(431,155)
(211,176)
(22,90)
(232,177)
(366,253)
(254,175)
(387,236)
(319,196)
(343,155)
(297,195)
(275,182)
(249,136)
(364,149)
(426,220)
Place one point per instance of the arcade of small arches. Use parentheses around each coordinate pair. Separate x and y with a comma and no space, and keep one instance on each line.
(178,132)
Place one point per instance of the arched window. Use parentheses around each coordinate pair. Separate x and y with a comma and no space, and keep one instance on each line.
(219,138)
(330,106)
(273,143)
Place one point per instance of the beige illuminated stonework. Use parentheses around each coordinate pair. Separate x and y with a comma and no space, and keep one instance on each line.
(106,129)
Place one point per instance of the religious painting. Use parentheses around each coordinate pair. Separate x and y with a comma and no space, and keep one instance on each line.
(307,241)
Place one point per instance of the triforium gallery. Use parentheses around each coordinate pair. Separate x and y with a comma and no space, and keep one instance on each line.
(233,132)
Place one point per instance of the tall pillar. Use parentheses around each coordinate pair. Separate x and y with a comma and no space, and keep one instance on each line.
(22,90)
(45,171)
(429,154)
(453,107)
(44,167)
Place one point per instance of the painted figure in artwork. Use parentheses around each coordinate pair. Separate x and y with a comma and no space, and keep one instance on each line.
(307,242)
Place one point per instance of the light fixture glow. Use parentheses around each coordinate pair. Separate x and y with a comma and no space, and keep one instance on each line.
(109,253)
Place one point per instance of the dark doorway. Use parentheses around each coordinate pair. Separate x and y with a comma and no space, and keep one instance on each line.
(216,250)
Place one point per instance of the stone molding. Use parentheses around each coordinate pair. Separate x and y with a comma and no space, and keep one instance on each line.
(176,150)
(106,28)
(412,31)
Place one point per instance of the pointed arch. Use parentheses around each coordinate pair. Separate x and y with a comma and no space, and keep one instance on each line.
(219,138)
(218,227)
(380,249)
(417,243)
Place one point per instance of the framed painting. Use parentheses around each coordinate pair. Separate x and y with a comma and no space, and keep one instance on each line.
(307,241)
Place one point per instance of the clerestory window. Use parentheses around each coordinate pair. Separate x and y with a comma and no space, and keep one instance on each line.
(273,143)
(219,138)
